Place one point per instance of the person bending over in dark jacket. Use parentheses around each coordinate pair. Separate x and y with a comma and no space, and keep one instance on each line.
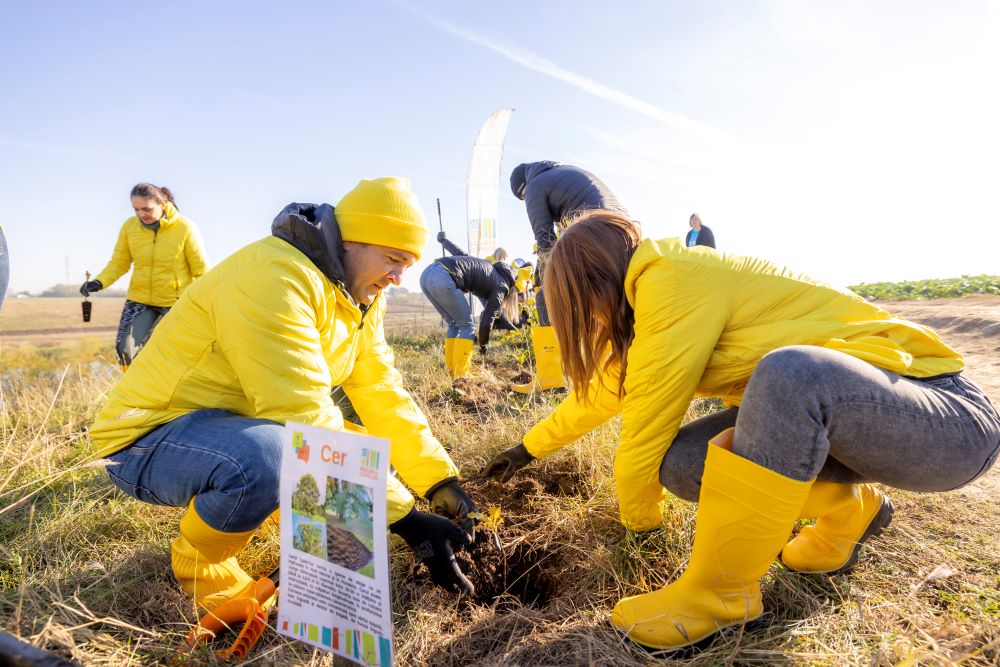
(445,284)
(521,281)
(553,192)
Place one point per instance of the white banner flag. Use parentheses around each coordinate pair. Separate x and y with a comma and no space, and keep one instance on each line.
(484,184)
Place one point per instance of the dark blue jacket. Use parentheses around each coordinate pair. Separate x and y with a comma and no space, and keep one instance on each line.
(488,281)
(705,237)
(555,191)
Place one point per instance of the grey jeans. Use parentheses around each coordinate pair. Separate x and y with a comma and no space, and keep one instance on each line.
(134,329)
(809,412)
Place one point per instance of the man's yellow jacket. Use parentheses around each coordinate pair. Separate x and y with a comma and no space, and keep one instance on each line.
(703,320)
(267,334)
(164,262)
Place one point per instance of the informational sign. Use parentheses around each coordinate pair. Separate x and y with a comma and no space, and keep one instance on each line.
(334,591)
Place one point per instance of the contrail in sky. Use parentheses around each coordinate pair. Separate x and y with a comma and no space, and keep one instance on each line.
(63,151)
(549,68)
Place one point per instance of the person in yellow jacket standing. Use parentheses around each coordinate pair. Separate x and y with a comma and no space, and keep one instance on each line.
(259,340)
(833,395)
(165,252)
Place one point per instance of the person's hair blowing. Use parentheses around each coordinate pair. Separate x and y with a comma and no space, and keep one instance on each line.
(584,283)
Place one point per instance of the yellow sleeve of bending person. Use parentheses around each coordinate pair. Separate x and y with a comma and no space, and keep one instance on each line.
(399,501)
(388,411)
(574,418)
(676,328)
(121,259)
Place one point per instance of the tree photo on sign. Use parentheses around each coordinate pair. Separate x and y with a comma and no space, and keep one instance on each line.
(308,522)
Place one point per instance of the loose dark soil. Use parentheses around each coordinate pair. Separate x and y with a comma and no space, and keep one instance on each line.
(525,570)
(522,377)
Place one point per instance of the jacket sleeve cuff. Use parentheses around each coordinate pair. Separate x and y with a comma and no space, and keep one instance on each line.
(443,482)
(398,524)
(399,502)
(527,448)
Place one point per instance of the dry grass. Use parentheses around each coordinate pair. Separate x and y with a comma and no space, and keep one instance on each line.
(85,570)
(35,313)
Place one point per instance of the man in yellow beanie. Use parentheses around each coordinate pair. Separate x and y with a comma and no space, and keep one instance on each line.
(260,339)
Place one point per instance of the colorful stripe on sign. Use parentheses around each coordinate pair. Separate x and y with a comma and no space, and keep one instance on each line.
(361,645)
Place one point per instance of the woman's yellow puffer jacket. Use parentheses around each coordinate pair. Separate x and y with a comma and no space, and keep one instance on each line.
(266,334)
(164,261)
(703,320)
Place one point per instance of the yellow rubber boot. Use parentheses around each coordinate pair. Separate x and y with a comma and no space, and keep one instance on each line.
(847,516)
(461,357)
(548,364)
(204,561)
(449,355)
(745,513)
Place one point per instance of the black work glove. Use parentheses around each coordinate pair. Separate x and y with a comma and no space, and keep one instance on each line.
(91,286)
(441,237)
(449,499)
(508,462)
(431,536)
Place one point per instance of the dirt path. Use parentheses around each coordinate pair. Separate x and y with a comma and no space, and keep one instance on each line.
(971,325)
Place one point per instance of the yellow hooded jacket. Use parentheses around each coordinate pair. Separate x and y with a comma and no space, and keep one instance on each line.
(703,320)
(165,261)
(266,334)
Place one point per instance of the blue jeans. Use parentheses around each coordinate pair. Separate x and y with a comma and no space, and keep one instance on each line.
(229,464)
(452,304)
(809,412)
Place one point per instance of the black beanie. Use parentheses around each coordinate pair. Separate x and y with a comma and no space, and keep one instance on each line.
(517,179)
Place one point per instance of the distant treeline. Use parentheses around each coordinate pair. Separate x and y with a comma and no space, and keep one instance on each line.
(935,288)
(74,290)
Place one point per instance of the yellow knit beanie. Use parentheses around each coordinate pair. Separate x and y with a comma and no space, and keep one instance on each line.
(383,211)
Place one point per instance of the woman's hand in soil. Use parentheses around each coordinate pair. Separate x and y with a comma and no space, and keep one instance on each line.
(431,537)
(508,462)
(449,499)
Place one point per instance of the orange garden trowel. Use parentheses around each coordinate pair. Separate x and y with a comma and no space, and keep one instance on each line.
(246,615)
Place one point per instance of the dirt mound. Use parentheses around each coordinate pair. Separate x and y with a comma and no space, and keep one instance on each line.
(524,569)
(518,564)
(346,550)
(516,573)
(523,377)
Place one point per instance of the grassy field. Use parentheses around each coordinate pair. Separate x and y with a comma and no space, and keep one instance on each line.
(85,570)
(933,288)
(36,313)
(58,322)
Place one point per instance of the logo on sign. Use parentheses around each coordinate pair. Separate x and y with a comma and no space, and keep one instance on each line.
(369,463)
(300,446)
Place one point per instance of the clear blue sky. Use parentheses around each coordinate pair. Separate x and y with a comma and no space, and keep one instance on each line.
(851,140)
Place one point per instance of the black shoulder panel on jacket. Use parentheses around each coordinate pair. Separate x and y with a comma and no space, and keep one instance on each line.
(313,230)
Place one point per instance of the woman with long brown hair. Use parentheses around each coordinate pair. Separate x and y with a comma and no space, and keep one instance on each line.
(834,394)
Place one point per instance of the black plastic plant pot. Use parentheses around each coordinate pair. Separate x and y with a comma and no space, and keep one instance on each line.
(87,305)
